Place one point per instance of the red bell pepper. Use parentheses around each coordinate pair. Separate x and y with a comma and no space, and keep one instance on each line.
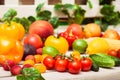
(69,37)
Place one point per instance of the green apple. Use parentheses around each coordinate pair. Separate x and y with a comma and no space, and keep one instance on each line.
(79,45)
(50,50)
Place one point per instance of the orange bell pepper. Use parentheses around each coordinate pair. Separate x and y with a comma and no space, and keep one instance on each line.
(10,49)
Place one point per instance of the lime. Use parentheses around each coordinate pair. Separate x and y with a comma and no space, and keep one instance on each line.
(50,50)
(79,45)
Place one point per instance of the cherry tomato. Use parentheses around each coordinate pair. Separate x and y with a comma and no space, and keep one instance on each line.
(69,37)
(49,62)
(112,52)
(118,53)
(58,57)
(74,66)
(86,63)
(61,65)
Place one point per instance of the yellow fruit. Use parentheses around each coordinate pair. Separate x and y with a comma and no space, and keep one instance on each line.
(38,58)
(31,62)
(75,54)
(41,67)
(98,45)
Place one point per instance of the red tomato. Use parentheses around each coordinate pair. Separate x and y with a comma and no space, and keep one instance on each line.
(34,40)
(112,52)
(76,30)
(61,65)
(118,53)
(74,66)
(58,57)
(86,64)
(49,62)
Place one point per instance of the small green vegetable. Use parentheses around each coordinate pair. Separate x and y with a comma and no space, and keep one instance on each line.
(103,60)
(117,60)
(30,74)
(95,66)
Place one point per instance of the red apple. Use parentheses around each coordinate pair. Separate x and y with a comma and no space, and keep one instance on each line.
(42,28)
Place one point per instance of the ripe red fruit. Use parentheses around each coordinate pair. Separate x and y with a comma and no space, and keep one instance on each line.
(8,64)
(33,39)
(112,52)
(118,53)
(76,30)
(39,51)
(42,28)
(15,70)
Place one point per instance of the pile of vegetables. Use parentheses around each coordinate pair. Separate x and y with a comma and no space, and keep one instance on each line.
(51,49)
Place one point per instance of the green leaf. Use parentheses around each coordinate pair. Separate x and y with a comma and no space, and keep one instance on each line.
(74,12)
(9,15)
(79,15)
(90,4)
(107,9)
(103,25)
(44,15)
(31,19)
(54,21)
(39,7)
(30,74)
(58,7)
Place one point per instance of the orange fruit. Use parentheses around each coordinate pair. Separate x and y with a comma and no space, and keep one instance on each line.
(38,58)
(41,67)
(92,30)
(110,33)
(31,62)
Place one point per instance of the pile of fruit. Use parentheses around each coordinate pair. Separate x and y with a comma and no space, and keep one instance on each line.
(40,50)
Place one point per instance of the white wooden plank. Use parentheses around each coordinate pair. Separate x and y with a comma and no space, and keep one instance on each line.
(11,2)
(41,1)
(68,1)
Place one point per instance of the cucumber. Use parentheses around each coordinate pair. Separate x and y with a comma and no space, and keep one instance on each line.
(117,60)
(103,60)
(95,66)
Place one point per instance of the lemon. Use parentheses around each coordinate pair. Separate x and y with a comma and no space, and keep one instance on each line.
(98,45)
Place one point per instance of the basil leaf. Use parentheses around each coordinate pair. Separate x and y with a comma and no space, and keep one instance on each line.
(39,7)
(44,15)
(54,21)
(90,4)
(30,74)
(9,15)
